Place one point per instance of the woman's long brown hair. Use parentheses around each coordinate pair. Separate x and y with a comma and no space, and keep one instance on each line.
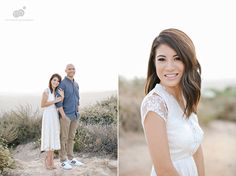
(53,76)
(191,80)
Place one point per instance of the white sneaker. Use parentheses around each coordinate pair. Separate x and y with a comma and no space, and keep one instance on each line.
(75,162)
(65,165)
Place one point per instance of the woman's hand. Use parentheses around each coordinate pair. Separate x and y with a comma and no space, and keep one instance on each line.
(46,103)
(58,99)
(61,93)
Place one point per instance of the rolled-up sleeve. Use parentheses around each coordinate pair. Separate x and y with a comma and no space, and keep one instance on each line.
(61,86)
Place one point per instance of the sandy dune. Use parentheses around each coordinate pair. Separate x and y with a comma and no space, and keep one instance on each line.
(30,163)
(219,149)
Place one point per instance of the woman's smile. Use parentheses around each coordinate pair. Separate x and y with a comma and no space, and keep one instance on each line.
(169,66)
(171,76)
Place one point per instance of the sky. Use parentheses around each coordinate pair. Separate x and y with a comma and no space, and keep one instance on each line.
(106,38)
(210,24)
(50,34)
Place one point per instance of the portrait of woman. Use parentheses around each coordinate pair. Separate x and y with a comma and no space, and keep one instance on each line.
(169,109)
(50,133)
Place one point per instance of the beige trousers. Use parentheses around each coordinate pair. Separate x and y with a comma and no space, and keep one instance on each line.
(67,136)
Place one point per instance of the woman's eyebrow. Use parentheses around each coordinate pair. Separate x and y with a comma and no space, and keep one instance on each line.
(161,55)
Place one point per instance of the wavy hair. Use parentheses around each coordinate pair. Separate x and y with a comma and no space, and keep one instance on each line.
(191,80)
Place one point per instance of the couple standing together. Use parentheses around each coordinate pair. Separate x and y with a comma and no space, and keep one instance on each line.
(58,129)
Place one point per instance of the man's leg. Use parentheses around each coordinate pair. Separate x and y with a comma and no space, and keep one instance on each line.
(70,143)
(65,125)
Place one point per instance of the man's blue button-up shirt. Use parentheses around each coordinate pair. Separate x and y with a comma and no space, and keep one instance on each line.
(71,98)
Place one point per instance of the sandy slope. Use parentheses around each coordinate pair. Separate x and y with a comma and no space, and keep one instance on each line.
(30,163)
(219,149)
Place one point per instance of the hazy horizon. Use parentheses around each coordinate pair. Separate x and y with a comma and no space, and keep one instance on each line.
(13,101)
(40,92)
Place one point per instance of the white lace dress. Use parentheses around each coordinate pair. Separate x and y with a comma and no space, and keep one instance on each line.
(184,135)
(50,134)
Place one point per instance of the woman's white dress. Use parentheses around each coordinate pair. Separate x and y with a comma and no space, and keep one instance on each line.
(184,135)
(50,134)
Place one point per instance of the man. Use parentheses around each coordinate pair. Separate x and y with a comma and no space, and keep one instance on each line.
(69,115)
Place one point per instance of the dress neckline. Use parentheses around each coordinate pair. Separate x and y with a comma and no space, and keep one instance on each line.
(170,95)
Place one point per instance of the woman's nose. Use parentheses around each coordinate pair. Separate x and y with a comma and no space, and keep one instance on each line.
(170,65)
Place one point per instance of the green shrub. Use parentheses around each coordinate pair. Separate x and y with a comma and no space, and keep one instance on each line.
(6,160)
(3,142)
(97,131)
(100,139)
(103,113)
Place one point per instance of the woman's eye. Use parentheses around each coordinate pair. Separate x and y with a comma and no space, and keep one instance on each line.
(160,59)
(177,58)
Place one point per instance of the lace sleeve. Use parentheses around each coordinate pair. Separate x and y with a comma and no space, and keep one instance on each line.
(155,104)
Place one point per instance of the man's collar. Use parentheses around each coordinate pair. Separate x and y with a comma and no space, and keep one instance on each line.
(69,79)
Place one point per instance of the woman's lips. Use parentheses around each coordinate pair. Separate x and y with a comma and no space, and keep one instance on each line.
(171,76)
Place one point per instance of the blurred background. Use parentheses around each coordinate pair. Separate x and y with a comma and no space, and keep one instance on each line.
(210,25)
(217,116)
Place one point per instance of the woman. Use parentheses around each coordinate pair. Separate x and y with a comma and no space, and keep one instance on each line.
(50,137)
(169,108)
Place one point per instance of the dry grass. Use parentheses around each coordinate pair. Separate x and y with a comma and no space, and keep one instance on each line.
(20,125)
(98,139)
(131,93)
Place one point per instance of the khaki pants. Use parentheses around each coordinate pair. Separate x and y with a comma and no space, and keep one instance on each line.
(67,136)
